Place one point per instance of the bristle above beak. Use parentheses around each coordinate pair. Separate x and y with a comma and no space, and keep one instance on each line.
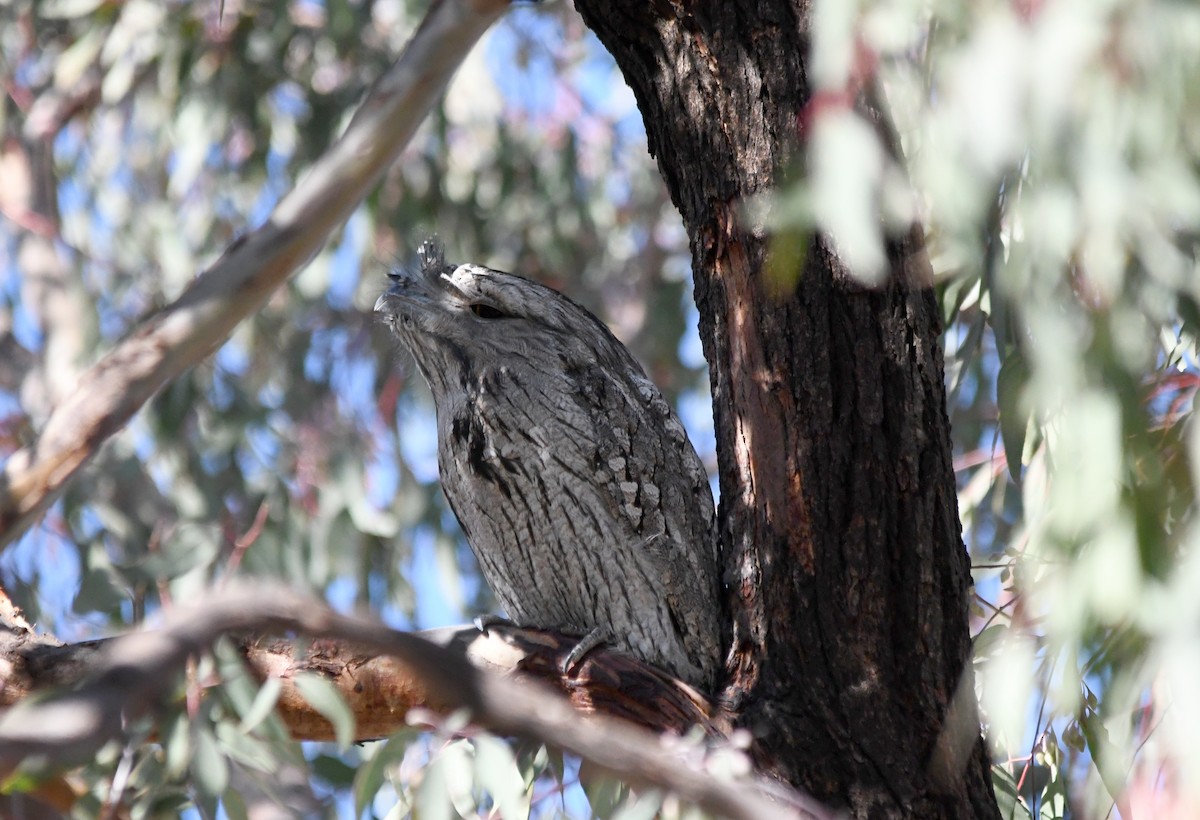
(432,255)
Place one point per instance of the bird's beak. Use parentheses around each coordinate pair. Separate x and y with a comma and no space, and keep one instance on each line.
(381,302)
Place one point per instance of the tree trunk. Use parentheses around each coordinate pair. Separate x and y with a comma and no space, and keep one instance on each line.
(848,584)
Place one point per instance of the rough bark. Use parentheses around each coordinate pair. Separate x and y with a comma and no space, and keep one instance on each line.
(848,580)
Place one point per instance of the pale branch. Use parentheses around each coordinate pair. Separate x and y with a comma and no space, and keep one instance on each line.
(381,690)
(51,292)
(128,675)
(180,335)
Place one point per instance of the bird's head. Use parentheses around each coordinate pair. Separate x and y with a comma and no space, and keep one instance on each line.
(459,320)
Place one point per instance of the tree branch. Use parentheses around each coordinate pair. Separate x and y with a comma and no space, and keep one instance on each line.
(131,673)
(182,334)
(381,690)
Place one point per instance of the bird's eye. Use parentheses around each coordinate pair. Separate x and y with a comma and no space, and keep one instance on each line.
(487,311)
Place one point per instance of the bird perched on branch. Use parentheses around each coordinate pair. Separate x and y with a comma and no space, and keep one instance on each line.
(572,478)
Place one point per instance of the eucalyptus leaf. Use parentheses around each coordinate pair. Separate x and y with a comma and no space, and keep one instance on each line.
(325,698)
(457,766)
(208,765)
(432,797)
(605,795)
(177,744)
(644,806)
(1014,417)
(263,705)
(497,774)
(246,749)
(234,805)
(1007,799)
(370,776)
(1110,762)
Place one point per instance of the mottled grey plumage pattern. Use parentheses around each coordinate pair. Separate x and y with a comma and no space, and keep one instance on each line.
(573,480)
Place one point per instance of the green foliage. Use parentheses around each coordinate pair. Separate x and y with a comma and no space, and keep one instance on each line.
(1051,149)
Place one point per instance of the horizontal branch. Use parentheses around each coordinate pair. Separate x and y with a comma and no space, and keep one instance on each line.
(381,690)
(180,335)
(128,674)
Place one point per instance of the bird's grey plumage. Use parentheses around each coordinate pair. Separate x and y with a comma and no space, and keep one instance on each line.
(573,480)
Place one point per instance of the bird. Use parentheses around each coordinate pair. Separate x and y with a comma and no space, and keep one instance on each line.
(572,479)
